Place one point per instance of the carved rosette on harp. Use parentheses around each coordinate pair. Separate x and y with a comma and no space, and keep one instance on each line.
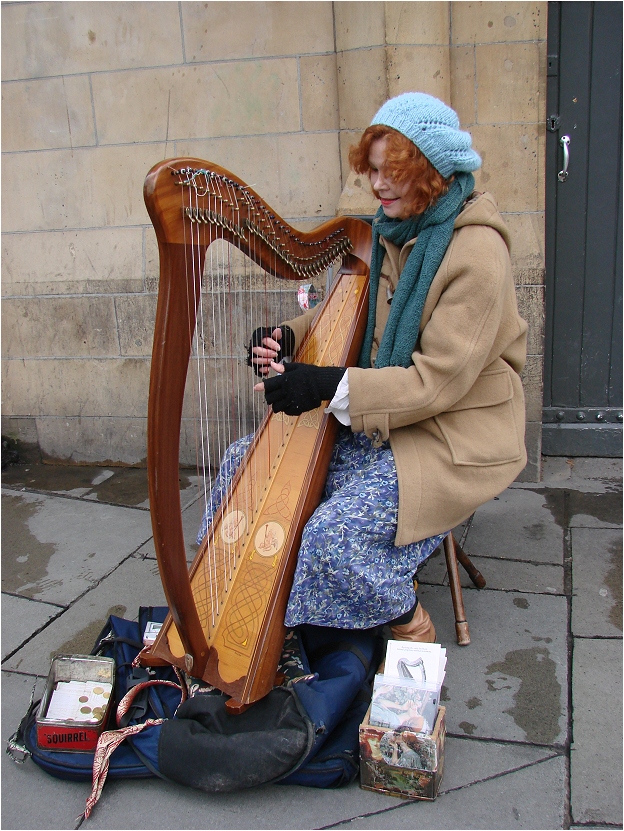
(227,612)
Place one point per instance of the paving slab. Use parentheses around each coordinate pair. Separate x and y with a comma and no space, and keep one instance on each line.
(584,473)
(596,753)
(55,548)
(544,578)
(191,520)
(596,582)
(135,583)
(528,798)
(21,618)
(511,682)
(595,510)
(520,524)
(117,485)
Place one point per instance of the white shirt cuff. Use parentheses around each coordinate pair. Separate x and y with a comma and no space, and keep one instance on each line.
(339,405)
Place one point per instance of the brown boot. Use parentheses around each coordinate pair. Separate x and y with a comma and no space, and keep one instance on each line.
(420,628)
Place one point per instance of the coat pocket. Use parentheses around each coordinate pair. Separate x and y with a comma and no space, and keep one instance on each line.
(482,428)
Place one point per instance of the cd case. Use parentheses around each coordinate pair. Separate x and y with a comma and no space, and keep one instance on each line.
(403,704)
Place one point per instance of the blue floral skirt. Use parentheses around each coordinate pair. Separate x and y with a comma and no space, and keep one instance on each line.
(349,573)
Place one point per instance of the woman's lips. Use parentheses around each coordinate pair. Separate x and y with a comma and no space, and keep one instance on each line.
(386,202)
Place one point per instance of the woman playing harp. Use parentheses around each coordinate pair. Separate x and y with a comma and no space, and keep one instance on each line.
(432,418)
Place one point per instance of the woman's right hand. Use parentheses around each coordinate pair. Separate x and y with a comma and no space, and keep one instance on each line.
(264,347)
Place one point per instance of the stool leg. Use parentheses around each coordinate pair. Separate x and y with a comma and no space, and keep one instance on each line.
(461,624)
(473,572)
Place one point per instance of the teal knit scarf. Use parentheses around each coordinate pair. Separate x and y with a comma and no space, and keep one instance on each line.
(433,230)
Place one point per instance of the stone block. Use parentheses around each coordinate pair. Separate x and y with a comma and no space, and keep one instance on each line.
(319,92)
(51,39)
(463,92)
(507,88)
(533,387)
(94,440)
(54,327)
(498,22)
(197,101)
(223,31)
(541,165)
(355,30)
(136,315)
(110,190)
(510,155)
(533,442)
(47,113)
(527,233)
(82,387)
(596,754)
(531,308)
(422,68)
(347,139)
(596,582)
(357,198)
(22,433)
(418,23)
(298,175)
(362,86)
(73,262)
(152,260)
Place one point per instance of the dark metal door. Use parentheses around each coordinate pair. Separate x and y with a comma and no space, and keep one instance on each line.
(582,413)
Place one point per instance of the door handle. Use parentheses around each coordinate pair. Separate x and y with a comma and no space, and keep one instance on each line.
(564,141)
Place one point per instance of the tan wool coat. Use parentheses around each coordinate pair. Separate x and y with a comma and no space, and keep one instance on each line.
(455,417)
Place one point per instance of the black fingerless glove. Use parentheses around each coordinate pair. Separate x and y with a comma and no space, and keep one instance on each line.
(287,343)
(302,387)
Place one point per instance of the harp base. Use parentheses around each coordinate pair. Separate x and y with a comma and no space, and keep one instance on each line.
(235,708)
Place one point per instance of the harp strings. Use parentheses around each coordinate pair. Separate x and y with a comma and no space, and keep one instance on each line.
(233,295)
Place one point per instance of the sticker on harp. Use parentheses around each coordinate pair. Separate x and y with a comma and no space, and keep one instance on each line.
(233,527)
(269,539)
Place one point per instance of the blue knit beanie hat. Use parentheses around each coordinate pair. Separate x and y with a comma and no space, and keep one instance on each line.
(433,128)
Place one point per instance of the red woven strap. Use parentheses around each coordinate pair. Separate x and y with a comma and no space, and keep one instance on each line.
(108,742)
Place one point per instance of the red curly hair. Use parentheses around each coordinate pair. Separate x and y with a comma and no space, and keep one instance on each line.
(404,163)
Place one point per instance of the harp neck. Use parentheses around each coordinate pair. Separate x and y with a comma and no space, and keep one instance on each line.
(186,192)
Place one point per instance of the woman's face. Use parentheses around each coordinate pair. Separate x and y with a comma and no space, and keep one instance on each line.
(390,194)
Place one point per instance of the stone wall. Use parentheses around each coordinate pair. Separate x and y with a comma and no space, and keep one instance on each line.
(95,93)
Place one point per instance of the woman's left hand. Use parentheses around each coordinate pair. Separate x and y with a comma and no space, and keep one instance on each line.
(300,387)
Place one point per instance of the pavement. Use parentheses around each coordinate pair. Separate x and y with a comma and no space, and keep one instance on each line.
(533,704)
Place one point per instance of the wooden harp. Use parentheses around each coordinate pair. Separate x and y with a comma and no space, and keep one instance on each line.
(225,623)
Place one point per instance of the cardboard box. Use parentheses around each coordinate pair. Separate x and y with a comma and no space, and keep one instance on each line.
(81,732)
(402,763)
